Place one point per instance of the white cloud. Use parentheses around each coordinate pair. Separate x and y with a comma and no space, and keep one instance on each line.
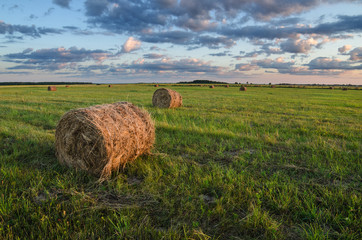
(131,45)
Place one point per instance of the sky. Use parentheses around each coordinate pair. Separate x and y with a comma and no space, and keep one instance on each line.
(159,41)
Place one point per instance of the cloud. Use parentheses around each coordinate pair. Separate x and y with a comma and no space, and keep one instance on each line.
(55,58)
(131,45)
(332,64)
(356,54)
(153,56)
(167,65)
(31,31)
(298,45)
(344,49)
(62,3)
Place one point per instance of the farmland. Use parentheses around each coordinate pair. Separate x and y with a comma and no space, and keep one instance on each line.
(268,163)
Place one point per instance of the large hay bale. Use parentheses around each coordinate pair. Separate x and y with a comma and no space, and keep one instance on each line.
(166,98)
(242,88)
(101,139)
(52,88)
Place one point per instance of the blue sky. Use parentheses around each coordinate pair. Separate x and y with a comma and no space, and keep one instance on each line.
(120,41)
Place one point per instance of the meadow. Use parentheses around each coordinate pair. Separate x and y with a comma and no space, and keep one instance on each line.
(268,163)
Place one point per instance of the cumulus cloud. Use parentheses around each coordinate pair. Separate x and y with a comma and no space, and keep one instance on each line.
(299,45)
(131,45)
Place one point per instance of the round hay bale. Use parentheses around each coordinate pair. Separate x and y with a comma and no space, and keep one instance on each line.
(212,86)
(67,86)
(166,98)
(227,86)
(242,88)
(109,85)
(156,85)
(103,138)
(272,86)
(52,88)
(331,88)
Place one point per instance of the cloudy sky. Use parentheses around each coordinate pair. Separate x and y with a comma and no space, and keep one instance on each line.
(123,41)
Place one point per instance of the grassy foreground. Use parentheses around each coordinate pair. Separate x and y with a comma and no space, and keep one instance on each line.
(262,164)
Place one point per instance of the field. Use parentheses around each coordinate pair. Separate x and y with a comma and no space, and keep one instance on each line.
(268,163)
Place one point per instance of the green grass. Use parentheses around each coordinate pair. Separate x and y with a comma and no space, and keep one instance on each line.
(279,163)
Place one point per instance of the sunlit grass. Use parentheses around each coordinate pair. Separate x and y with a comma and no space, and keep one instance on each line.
(265,163)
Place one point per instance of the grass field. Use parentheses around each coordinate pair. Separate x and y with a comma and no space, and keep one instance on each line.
(261,164)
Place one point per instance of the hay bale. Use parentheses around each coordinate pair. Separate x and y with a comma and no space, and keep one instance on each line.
(156,85)
(344,89)
(226,85)
(272,86)
(242,88)
(101,139)
(67,86)
(52,88)
(109,85)
(331,88)
(166,98)
(212,86)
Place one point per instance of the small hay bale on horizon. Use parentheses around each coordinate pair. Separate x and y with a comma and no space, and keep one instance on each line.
(212,86)
(52,88)
(104,138)
(109,85)
(67,86)
(156,85)
(166,98)
(272,86)
(227,85)
(242,88)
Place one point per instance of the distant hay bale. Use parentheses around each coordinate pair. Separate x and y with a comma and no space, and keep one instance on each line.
(344,89)
(67,86)
(103,138)
(166,98)
(226,85)
(52,88)
(272,86)
(212,86)
(156,85)
(242,88)
(331,87)
(109,85)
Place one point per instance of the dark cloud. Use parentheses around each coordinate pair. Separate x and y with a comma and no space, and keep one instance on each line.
(213,24)
(153,56)
(332,64)
(356,54)
(344,24)
(62,3)
(31,31)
